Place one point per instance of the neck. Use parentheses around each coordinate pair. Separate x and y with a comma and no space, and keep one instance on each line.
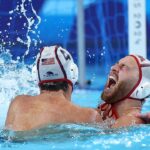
(66,94)
(127,106)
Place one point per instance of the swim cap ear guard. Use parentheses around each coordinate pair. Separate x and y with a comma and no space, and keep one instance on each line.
(55,64)
(72,72)
(142,88)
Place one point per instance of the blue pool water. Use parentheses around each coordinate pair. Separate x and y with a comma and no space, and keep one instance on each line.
(16,79)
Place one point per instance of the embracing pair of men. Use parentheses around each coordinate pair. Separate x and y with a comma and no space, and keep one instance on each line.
(127,87)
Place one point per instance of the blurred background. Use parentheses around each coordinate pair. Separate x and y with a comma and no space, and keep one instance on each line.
(96,32)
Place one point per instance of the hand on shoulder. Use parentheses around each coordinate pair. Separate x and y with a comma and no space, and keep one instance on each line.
(144,117)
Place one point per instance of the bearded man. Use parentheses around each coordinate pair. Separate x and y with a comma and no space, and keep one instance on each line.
(127,88)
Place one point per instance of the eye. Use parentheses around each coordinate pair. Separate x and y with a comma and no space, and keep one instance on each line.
(122,66)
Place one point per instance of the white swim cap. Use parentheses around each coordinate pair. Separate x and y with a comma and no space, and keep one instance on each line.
(142,88)
(55,64)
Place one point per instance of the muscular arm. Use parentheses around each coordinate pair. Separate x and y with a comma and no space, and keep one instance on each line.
(85,115)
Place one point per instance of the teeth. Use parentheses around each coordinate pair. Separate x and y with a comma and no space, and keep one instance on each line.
(113,78)
(111,82)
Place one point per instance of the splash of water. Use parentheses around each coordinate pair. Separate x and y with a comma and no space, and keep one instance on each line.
(32,23)
(15,79)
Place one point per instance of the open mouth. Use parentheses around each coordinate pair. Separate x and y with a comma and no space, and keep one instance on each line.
(112,81)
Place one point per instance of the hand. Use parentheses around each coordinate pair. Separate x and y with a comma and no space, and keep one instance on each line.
(144,117)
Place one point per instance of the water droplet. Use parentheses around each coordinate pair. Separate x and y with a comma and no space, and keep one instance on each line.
(18,57)
(8,23)
(104,47)
(10,12)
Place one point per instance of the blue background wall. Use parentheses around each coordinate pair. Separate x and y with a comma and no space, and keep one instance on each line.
(106,28)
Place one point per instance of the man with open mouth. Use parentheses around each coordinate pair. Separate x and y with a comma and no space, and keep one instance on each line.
(127,87)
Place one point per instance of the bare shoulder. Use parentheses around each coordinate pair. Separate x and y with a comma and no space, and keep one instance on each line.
(18,105)
(14,108)
(128,120)
(18,100)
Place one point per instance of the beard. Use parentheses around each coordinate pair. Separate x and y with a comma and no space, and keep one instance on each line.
(118,92)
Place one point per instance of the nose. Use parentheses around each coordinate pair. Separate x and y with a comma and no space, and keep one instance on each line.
(115,68)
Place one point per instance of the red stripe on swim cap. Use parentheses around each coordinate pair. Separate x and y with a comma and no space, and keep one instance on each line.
(140,75)
(59,62)
(56,80)
(38,62)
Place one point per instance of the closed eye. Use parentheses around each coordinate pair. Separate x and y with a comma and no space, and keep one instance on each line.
(122,66)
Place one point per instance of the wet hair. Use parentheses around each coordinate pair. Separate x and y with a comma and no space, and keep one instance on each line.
(55,86)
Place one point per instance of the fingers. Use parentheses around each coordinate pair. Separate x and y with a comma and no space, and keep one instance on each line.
(144,117)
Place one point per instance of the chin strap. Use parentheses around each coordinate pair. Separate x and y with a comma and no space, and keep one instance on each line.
(107,111)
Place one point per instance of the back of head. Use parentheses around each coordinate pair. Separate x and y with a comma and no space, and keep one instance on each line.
(55,66)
